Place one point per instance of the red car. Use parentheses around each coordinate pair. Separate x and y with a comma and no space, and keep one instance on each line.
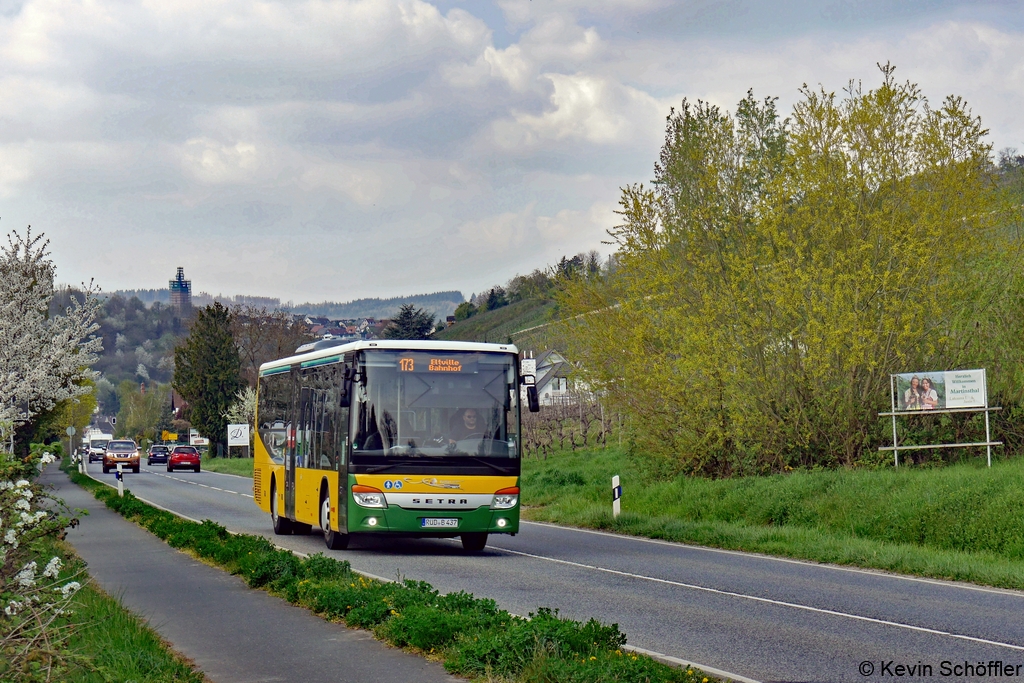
(183,456)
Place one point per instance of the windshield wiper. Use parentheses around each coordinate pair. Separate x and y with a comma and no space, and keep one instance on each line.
(496,468)
(381,468)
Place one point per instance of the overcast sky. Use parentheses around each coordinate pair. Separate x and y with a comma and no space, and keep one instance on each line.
(314,150)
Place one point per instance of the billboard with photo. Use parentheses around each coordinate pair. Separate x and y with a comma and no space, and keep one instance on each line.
(940,390)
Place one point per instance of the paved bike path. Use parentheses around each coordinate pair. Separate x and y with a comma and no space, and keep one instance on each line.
(231,632)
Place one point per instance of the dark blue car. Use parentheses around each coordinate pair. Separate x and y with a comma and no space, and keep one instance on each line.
(157,454)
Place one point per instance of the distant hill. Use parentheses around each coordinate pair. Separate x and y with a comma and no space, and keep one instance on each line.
(441,304)
(526,323)
(146,296)
(151,296)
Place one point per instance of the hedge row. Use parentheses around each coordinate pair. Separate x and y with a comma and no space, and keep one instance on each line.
(470,635)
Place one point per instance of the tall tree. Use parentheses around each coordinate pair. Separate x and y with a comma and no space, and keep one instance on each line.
(44,359)
(142,407)
(207,371)
(263,335)
(410,323)
(780,270)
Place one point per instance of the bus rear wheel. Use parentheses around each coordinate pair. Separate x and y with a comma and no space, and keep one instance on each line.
(335,540)
(474,543)
(282,525)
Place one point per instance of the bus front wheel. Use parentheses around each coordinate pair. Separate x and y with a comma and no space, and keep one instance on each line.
(282,525)
(474,543)
(335,540)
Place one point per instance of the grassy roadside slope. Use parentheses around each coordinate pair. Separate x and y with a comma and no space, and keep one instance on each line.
(498,325)
(964,522)
(240,466)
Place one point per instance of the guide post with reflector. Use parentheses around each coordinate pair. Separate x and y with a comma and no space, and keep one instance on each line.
(616,496)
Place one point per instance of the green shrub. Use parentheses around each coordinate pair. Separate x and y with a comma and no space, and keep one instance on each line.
(422,626)
(323,568)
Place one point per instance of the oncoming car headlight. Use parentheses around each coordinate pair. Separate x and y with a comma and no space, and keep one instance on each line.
(368,497)
(505,498)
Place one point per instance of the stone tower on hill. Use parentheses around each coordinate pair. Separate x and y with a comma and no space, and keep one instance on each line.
(181,292)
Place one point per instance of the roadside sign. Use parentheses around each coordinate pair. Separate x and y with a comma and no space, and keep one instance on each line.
(238,435)
(195,440)
(70,431)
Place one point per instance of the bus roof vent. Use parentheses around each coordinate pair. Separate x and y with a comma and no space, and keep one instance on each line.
(321,344)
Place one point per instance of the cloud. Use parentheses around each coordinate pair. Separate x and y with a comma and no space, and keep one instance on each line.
(585,109)
(344,148)
(518,242)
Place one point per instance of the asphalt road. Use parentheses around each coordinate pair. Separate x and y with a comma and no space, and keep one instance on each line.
(760,618)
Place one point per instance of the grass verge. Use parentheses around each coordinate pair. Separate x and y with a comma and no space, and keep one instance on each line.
(470,635)
(963,522)
(101,641)
(240,466)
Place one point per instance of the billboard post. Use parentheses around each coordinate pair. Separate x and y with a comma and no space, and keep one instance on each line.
(941,392)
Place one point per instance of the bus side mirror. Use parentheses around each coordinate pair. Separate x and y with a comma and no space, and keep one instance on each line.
(530,382)
(345,400)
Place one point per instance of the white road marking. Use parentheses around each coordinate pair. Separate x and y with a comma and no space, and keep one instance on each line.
(205,486)
(787,560)
(754,598)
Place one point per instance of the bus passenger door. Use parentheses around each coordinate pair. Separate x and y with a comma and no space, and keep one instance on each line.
(289,454)
(341,462)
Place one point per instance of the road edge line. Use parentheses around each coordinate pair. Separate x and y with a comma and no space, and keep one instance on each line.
(682,663)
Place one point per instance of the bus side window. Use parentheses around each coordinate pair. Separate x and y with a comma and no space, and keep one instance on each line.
(274,399)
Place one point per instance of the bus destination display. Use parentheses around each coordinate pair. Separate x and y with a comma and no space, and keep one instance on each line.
(431,365)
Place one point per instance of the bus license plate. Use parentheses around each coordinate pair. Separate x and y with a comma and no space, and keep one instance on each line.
(439,522)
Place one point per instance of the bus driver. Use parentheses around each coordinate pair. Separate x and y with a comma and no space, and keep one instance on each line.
(466,427)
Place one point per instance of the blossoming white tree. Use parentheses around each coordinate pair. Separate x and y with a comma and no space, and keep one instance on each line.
(33,602)
(43,359)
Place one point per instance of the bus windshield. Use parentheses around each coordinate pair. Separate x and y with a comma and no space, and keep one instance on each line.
(441,405)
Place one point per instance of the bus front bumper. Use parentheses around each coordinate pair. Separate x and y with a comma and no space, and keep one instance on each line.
(432,522)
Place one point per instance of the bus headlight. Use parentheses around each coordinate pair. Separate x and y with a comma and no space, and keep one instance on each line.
(505,498)
(368,497)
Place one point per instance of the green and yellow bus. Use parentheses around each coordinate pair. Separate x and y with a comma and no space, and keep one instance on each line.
(412,438)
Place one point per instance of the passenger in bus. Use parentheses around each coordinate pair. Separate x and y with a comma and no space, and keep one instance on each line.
(369,438)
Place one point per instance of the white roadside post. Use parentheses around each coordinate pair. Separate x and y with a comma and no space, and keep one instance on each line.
(616,496)
(120,481)
(70,431)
